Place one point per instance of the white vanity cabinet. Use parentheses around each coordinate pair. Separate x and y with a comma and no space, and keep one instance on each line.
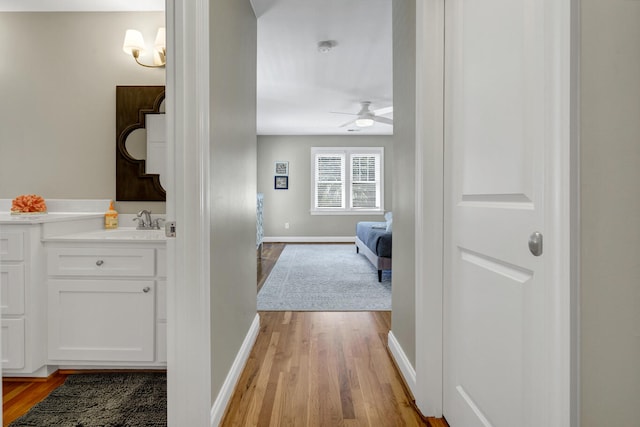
(22,295)
(106,304)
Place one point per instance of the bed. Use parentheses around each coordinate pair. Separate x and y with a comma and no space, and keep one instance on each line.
(373,240)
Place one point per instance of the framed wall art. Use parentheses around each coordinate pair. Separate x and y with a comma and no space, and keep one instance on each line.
(282,168)
(281,183)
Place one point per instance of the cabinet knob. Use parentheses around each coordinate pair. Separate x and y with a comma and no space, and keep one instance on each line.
(99,262)
(146,289)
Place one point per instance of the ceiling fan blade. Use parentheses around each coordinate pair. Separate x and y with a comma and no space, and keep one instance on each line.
(350,122)
(340,112)
(383,111)
(382,120)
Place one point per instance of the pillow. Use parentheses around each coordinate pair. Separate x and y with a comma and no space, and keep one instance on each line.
(389,217)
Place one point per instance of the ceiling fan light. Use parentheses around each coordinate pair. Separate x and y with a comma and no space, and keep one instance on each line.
(363,123)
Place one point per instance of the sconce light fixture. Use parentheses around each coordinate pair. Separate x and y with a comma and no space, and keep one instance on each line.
(134,46)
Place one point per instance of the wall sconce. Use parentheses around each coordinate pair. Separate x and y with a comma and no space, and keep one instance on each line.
(134,45)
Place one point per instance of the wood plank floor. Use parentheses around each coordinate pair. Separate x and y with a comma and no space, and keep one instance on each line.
(270,254)
(19,395)
(322,369)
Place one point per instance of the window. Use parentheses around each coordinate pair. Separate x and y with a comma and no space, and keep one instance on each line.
(347,180)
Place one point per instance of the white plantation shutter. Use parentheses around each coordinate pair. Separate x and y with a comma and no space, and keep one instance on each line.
(329,172)
(365,181)
(347,180)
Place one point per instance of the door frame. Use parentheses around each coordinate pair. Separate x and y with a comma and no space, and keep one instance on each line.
(562,186)
(188,255)
(429,205)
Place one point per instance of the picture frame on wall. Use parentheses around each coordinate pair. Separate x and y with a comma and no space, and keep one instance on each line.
(281,183)
(282,168)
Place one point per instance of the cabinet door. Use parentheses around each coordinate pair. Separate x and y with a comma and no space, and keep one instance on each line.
(12,343)
(102,320)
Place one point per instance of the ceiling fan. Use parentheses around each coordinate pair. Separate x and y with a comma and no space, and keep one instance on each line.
(367,117)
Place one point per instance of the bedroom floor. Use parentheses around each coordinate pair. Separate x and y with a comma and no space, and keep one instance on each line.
(270,254)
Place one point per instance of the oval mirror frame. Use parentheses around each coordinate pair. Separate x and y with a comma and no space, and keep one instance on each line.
(133,103)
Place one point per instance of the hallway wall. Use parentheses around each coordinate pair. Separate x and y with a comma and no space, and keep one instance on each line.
(610,213)
(233,181)
(404,151)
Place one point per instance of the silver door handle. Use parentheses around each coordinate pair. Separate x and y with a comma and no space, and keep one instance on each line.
(535,243)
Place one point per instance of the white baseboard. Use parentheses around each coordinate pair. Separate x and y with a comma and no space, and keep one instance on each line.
(408,372)
(220,405)
(310,239)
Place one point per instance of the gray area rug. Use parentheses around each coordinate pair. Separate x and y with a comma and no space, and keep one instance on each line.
(324,278)
(103,400)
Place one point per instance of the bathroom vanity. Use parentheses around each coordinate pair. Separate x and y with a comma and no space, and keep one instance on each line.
(106,297)
(77,296)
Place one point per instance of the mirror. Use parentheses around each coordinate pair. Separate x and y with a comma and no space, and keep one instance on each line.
(140,160)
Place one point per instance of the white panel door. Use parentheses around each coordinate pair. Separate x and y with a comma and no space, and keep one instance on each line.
(500,95)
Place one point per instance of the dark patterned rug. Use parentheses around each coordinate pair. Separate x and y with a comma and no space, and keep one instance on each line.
(103,400)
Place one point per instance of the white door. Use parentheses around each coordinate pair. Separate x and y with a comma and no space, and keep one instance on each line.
(505,93)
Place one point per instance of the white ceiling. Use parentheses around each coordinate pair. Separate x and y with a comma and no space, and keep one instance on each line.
(299,87)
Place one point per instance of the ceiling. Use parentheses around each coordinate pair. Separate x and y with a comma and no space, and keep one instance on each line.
(299,88)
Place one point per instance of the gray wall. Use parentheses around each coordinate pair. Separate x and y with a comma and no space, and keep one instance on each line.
(610,213)
(233,181)
(403,317)
(58,75)
(293,205)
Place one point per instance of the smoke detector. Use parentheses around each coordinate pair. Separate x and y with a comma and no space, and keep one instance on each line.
(325,46)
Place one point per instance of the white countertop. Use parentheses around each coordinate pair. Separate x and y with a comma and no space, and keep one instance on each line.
(7,218)
(59,210)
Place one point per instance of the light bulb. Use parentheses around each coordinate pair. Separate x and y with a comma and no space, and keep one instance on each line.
(363,123)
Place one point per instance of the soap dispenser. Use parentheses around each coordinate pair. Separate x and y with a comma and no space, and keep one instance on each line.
(111,218)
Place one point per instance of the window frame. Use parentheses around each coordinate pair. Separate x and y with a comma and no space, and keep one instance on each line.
(348,153)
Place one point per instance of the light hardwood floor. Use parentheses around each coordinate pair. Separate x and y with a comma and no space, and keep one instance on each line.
(322,369)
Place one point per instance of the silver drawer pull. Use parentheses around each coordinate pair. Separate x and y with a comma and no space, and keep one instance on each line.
(99,262)
(146,289)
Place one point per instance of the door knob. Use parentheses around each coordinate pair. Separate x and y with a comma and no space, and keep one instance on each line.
(535,243)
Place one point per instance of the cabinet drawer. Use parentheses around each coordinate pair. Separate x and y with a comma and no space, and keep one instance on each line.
(12,343)
(12,246)
(12,289)
(100,262)
(101,320)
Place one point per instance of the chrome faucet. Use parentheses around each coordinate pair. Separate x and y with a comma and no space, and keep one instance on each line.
(144,221)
